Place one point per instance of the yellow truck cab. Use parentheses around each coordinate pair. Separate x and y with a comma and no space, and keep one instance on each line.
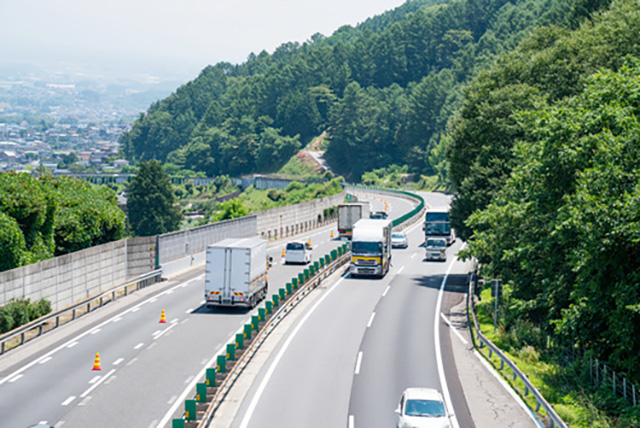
(371,247)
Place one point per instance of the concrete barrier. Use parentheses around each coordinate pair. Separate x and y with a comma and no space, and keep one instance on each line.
(67,279)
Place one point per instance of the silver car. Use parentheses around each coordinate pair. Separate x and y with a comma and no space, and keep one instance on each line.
(399,240)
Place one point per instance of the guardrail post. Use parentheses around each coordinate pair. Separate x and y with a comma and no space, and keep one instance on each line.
(282,292)
(268,306)
(327,259)
(255,322)
(316,266)
(190,410)
(177,423)
(231,351)
(301,278)
(201,393)
(294,282)
(288,288)
(240,341)
(247,331)
(276,299)
(222,364)
(211,377)
(262,314)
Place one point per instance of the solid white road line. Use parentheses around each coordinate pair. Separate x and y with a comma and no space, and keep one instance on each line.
(68,400)
(352,423)
(15,378)
(455,330)
(386,290)
(70,345)
(118,361)
(373,315)
(95,385)
(358,362)
(436,335)
(276,361)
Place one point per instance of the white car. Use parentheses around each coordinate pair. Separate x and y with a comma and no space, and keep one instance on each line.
(422,408)
(436,249)
(399,240)
(297,252)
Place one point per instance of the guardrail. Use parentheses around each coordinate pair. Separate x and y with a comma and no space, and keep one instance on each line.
(78,309)
(480,338)
(199,411)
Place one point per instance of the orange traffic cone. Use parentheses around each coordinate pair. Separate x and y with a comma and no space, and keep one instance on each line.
(162,317)
(283,252)
(96,363)
(309,242)
(332,233)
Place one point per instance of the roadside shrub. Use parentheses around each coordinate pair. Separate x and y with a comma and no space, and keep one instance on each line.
(20,312)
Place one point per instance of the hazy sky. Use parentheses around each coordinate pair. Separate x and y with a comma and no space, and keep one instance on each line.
(167,33)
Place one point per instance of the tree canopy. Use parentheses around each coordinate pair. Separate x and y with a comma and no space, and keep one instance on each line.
(150,201)
(383,90)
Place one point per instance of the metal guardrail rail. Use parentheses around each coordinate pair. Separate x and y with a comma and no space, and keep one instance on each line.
(140,282)
(406,219)
(554,419)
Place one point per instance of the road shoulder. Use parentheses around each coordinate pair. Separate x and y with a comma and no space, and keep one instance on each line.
(488,399)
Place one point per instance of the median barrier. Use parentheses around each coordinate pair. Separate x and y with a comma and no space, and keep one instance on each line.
(231,351)
(255,322)
(283,301)
(210,379)
(262,314)
(221,364)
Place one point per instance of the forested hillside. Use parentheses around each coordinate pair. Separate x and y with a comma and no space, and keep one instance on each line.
(45,217)
(383,90)
(545,154)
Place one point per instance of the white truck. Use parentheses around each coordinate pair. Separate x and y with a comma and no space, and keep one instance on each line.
(348,215)
(236,272)
(371,247)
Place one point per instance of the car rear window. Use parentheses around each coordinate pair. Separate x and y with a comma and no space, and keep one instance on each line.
(295,246)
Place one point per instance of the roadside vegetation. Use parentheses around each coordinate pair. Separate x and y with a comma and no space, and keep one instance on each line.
(544,155)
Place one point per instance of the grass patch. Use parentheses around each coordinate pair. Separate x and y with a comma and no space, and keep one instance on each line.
(565,386)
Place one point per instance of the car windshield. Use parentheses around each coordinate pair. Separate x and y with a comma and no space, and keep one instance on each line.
(398,236)
(436,243)
(295,246)
(425,408)
(360,247)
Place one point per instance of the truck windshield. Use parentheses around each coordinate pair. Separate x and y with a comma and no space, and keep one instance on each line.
(436,243)
(436,216)
(359,247)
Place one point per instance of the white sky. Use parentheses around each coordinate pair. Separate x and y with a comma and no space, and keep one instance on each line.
(191,33)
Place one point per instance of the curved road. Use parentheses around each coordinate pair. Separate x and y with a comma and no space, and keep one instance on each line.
(147,368)
(363,342)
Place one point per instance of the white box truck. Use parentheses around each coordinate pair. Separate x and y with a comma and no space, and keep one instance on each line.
(236,272)
(348,215)
(371,247)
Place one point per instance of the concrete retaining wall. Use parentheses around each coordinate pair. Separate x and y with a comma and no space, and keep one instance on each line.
(67,279)
(284,221)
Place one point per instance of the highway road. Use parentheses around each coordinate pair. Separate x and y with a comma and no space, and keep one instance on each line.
(365,341)
(148,368)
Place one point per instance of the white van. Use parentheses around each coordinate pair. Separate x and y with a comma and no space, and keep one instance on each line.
(436,249)
(297,252)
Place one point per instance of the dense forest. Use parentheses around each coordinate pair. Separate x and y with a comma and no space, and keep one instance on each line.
(383,90)
(545,155)
(45,217)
